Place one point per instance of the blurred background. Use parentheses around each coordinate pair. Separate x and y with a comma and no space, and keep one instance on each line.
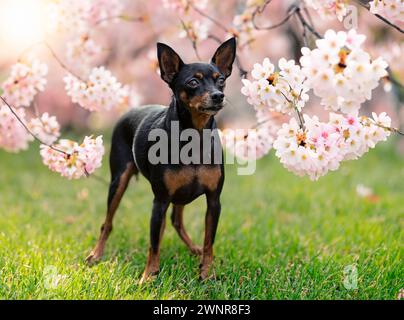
(280,236)
(124,40)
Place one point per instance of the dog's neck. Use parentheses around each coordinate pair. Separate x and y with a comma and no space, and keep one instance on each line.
(188,118)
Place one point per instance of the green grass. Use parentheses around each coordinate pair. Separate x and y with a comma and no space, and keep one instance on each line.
(279,236)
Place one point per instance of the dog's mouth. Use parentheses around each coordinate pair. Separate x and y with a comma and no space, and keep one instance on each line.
(211,109)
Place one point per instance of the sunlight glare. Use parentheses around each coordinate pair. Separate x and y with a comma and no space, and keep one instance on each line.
(21,23)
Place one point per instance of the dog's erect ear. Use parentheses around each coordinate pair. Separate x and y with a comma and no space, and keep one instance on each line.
(169,61)
(224,56)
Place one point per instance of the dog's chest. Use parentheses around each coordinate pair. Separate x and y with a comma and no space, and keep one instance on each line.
(192,179)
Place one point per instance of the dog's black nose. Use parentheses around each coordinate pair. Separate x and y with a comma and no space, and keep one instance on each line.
(217,97)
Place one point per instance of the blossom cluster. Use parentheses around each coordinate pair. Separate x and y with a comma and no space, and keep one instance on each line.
(78,16)
(46,128)
(83,49)
(195,30)
(248,144)
(392,9)
(76,160)
(26,79)
(321,146)
(183,6)
(13,136)
(280,91)
(244,28)
(340,72)
(329,8)
(101,91)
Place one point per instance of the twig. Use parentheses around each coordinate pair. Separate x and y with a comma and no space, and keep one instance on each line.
(53,53)
(216,22)
(55,56)
(391,129)
(193,41)
(96,177)
(388,22)
(28,130)
(100,179)
(121,17)
(307,25)
(291,11)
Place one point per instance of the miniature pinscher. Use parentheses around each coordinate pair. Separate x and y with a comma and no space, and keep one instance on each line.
(197,97)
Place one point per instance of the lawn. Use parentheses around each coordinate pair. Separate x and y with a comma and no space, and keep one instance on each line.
(279,236)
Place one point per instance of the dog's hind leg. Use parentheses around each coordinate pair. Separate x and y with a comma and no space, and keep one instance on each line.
(178,223)
(122,169)
(157,225)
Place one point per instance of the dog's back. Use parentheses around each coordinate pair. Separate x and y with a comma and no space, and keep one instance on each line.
(125,131)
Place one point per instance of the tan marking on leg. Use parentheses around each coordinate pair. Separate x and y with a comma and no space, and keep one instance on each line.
(207,255)
(153,259)
(106,228)
(209,176)
(175,179)
(178,223)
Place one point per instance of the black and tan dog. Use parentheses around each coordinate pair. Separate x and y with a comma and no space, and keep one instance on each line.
(197,97)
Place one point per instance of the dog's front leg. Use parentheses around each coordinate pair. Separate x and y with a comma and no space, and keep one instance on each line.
(211,222)
(157,225)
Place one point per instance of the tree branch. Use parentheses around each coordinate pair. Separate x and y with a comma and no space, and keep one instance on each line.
(28,130)
(385,20)
(291,11)
(203,14)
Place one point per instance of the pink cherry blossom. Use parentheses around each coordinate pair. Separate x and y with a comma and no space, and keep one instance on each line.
(13,136)
(321,146)
(329,8)
(45,127)
(392,9)
(248,144)
(283,91)
(101,91)
(78,160)
(183,6)
(341,73)
(78,16)
(195,30)
(26,79)
(83,49)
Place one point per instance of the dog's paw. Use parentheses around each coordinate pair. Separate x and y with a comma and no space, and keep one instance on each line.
(147,277)
(92,258)
(205,273)
(195,250)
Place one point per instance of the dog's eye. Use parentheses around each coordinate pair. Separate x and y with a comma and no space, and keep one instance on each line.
(193,83)
(220,82)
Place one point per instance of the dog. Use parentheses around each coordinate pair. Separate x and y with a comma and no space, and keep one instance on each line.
(197,97)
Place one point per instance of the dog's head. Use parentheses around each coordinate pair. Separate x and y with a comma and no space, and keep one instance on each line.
(199,86)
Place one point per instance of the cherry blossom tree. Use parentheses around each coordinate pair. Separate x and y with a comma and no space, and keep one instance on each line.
(308,70)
